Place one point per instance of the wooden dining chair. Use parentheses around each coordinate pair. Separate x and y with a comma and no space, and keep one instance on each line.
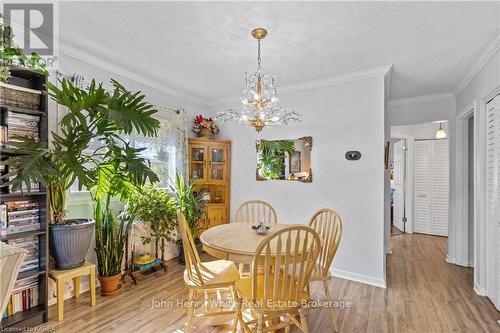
(328,224)
(275,293)
(201,277)
(254,212)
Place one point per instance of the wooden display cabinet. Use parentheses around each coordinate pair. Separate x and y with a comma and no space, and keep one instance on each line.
(210,167)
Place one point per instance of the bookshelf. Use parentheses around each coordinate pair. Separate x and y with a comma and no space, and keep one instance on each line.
(27,80)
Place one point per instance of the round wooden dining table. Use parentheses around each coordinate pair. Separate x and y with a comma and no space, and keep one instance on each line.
(234,241)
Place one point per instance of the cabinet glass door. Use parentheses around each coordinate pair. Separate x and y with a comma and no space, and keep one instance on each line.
(197,167)
(217,163)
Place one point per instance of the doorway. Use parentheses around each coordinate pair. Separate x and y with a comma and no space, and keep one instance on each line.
(398,187)
(419,179)
(470,190)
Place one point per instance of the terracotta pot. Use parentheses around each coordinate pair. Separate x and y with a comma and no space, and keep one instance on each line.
(205,133)
(110,285)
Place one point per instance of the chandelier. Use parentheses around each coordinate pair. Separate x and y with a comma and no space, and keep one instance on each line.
(259,100)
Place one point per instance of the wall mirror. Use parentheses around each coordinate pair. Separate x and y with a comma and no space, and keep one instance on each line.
(284,159)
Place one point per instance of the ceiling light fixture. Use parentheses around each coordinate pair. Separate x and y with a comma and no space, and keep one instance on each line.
(440,133)
(259,99)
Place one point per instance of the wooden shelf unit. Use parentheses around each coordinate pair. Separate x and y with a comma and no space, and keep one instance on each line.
(210,165)
(38,314)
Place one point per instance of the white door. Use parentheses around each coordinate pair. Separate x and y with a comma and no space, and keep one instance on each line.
(431,187)
(399,185)
(422,220)
(493,204)
(439,190)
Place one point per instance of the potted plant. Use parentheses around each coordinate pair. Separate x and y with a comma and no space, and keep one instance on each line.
(156,208)
(110,239)
(204,127)
(90,151)
(191,205)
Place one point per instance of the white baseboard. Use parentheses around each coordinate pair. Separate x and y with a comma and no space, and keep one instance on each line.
(450,260)
(358,278)
(479,290)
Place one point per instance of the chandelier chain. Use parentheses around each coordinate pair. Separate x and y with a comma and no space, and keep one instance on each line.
(258,56)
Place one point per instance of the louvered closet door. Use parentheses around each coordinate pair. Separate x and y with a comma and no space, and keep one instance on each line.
(439,193)
(423,166)
(493,201)
(431,187)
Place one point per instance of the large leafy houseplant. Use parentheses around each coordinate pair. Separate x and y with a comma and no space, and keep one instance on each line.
(271,157)
(155,207)
(190,204)
(91,151)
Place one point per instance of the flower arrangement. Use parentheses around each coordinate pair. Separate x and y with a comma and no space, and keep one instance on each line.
(202,124)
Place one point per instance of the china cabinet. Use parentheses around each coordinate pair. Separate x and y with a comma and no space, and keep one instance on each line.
(210,167)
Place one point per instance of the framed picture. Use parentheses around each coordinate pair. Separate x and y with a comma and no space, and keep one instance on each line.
(295,163)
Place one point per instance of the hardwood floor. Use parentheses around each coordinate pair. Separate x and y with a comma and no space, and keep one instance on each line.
(424,294)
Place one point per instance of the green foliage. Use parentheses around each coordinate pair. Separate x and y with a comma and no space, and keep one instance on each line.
(11,54)
(271,155)
(156,208)
(110,235)
(188,202)
(89,149)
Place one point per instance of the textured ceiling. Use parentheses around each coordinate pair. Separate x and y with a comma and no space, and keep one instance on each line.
(203,48)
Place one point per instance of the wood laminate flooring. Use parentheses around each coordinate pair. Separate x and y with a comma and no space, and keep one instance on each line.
(424,294)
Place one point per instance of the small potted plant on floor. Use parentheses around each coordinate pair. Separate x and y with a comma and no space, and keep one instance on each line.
(191,205)
(204,127)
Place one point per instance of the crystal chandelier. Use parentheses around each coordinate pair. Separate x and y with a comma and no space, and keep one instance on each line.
(259,99)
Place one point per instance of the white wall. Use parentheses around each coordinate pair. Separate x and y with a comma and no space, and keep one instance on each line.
(341,117)
(419,131)
(482,86)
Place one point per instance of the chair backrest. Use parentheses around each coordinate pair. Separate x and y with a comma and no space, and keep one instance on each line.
(191,256)
(288,255)
(328,224)
(254,212)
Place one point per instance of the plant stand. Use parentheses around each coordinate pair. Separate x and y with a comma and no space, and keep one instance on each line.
(130,269)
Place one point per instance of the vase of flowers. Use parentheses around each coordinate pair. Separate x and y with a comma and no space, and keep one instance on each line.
(204,127)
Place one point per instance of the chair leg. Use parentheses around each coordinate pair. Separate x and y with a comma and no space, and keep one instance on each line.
(303,320)
(190,310)
(237,310)
(260,323)
(332,310)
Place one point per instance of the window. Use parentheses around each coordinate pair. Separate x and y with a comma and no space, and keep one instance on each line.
(166,152)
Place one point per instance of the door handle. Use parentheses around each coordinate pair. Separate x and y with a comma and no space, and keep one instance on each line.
(422,195)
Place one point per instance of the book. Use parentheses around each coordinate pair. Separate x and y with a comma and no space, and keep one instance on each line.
(3,219)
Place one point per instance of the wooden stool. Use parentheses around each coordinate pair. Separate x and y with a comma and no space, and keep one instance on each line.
(62,276)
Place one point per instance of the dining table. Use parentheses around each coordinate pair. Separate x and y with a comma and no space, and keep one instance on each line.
(235,241)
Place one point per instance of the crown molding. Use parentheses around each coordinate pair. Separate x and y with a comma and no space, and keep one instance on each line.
(488,51)
(90,59)
(421,99)
(382,71)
